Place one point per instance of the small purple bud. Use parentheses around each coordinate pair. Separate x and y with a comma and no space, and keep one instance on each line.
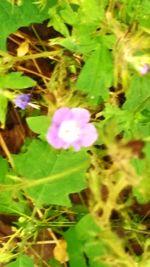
(22,100)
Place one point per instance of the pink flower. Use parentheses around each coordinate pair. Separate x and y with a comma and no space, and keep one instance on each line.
(143,69)
(71,128)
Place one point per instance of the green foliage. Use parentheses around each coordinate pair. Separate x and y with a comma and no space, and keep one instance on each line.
(12,80)
(138,94)
(39,125)
(54,263)
(47,171)
(130,11)
(4,169)
(83,37)
(11,202)
(22,261)
(15,80)
(18,16)
(137,104)
(94,55)
(83,243)
(141,192)
(96,75)
(3,109)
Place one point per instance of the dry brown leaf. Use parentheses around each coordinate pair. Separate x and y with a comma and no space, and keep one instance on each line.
(60,251)
(23,49)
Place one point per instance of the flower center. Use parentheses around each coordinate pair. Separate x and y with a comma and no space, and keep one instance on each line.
(69,131)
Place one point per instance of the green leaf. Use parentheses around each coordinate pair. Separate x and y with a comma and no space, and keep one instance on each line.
(83,240)
(51,175)
(11,202)
(54,263)
(15,80)
(91,12)
(4,169)
(75,249)
(22,261)
(82,38)
(87,223)
(58,25)
(88,231)
(137,105)
(138,94)
(81,42)
(16,16)
(141,191)
(3,109)
(57,22)
(39,125)
(96,75)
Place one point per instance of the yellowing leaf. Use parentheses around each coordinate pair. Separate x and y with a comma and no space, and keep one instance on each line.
(23,49)
(60,251)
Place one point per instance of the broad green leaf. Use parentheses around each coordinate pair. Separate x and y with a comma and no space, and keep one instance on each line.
(147,151)
(88,231)
(4,169)
(138,105)
(83,37)
(96,75)
(58,24)
(91,12)
(56,21)
(132,7)
(54,263)
(68,14)
(122,117)
(81,43)
(21,261)
(37,161)
(138,94)
(87,223)
(11,202)
(75,249)
(39,125)
(144,14)
(141,129)
(3,109)
(82,240)
(52,175)
(141,191)
(13,17)
(15,80)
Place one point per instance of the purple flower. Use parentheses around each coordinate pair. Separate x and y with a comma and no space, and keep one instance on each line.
(22,100)
(143,69)
(71,128)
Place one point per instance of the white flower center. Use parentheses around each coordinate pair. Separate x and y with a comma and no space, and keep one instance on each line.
(69,131)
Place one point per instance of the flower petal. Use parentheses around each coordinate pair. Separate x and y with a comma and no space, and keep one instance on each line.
(22,100)
(76,145)
(61,114)
(53,138)
(89,135)
(81,115)
(70,122)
